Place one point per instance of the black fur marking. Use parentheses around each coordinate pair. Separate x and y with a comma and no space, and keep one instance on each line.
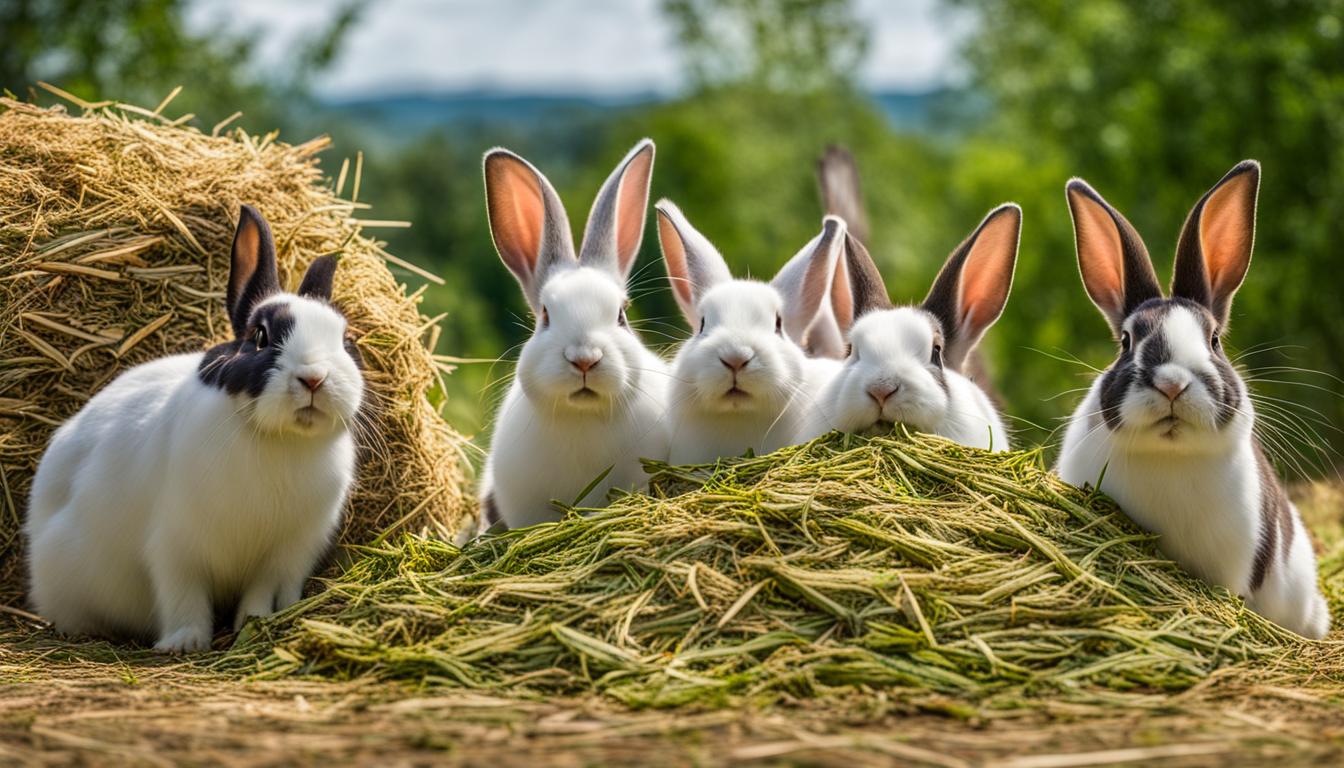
(1154,351)
(317,280)
(1276,520)
(240,366)
(1115,383)
(489,511)
(865,282)
(939,339)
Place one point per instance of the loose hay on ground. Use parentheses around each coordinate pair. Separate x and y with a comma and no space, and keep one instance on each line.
(115,226)
(895,563)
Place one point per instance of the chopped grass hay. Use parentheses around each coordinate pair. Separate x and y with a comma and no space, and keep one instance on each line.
(115,226)
(894,563)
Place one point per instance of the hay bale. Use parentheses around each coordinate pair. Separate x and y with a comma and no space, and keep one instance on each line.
(916,566)
(115,227)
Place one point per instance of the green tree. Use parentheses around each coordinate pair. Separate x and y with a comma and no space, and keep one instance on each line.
(782,45)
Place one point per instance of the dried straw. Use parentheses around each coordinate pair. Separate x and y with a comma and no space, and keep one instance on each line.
(115,227)
(893,563)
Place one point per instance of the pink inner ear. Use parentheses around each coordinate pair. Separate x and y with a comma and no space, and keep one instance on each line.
(1227,232)
(1100,252)
(987,275)
(632,201)
(842,300)
(674,253)
(246,253)
(517,213)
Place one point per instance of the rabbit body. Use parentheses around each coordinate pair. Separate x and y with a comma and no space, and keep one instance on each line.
(1168,430)
(588,397)
(201,481)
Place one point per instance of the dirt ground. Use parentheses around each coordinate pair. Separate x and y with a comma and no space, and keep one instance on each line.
(58,707)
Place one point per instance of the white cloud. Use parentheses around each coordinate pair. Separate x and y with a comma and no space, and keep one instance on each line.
(530,45)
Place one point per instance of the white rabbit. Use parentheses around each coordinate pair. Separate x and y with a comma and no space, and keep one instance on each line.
(205,480)
(588,397)
(1168,429)
(740,382)
(904,364)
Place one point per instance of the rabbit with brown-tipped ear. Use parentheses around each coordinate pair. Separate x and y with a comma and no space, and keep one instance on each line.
(588,396)
(904,363)
(1168,429)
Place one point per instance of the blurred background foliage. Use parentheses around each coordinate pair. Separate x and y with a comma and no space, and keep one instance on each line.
(1150,100)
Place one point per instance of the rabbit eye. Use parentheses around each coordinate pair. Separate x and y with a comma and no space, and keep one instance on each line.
(545,318)
(260,337)
(850,351)
(937,358)
(779,324)
(702,326)
(1215,342)
(1125,341)
(620,319)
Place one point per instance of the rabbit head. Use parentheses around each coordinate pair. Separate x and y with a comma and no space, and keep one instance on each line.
(583,356)
(899,360)
(1171,386)
(740,358)
(291,360)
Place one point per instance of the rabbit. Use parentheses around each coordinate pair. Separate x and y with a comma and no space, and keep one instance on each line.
(905,364)
(1168,430)
(197,481)
(740,383)
(588,398)
(842,195)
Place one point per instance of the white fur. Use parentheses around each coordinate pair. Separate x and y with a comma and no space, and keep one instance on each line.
(708,419)
(549,444)
(164,497)
(1194,484)
(895,347)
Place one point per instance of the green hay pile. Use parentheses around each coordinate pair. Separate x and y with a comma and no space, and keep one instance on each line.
(115,228)
(907,563)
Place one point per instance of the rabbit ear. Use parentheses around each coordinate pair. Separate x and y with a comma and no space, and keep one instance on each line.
(841,193)
(693,264)
(807,281)
(317,280)
(972,288)
(252,272)
(616,222)
(527,221)
(866,290)
(1117,272)
(1214,251)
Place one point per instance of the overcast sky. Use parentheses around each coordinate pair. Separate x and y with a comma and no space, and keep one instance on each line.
(610,46)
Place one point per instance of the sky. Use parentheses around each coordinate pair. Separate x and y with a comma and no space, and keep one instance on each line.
(597,46)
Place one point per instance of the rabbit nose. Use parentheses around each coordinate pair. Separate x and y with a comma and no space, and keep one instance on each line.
(736,361)
(585,362)
(1171,388)
(880,393)
(311,382)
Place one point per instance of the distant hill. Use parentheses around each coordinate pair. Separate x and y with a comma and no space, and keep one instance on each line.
(409,115)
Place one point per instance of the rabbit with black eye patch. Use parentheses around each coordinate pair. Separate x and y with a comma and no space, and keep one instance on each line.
(739,382)
(588,398)
(904,364)
(199,481)
(1169,429)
